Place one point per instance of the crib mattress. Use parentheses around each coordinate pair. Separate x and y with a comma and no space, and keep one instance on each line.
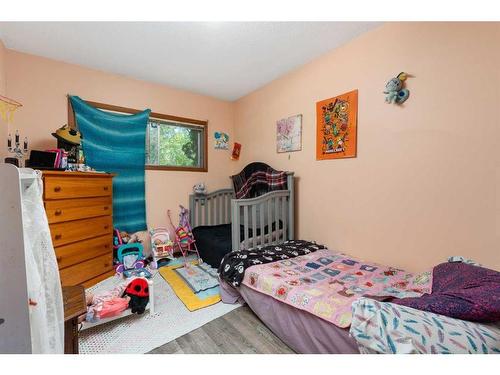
(213,242)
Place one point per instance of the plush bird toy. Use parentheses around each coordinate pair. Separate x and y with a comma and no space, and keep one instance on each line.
(395,93)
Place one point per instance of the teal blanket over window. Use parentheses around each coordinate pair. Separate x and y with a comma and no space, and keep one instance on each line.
(115,143)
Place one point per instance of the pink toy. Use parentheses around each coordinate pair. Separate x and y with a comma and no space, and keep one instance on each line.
(161,245)
(184,239)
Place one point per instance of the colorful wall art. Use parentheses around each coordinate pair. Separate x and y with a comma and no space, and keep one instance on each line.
(289,134)
(336,129)
(235,155)
(221,141)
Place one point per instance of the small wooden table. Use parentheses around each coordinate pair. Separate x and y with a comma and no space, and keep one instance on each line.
(74,306)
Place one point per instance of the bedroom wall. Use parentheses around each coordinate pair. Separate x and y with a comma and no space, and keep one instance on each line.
(3,125)
(42,85)
(425,184)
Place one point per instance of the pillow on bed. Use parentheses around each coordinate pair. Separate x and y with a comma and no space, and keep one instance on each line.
(461,291)
(461,259)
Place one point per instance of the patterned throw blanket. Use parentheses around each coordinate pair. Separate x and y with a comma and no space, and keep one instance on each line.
(234,264)
(326,283)
(257,179)
(381,327)
(461,291)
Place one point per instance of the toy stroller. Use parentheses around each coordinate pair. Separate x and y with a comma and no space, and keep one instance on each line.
(184,239)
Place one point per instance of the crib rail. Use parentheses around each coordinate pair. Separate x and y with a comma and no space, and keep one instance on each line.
(211,209)
(266,220)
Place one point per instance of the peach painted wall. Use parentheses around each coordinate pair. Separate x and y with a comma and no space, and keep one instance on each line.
(3,57)
(42,85)
(425,184)
(3,125)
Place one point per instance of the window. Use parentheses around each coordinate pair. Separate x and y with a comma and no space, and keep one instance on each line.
(175,144)
(172,142)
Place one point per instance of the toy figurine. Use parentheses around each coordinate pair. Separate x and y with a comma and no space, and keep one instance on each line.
(200,188)
(395,93)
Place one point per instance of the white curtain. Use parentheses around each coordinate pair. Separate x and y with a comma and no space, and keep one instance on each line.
(44,287)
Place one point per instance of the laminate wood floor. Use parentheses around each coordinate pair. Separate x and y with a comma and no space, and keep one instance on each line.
(239,331)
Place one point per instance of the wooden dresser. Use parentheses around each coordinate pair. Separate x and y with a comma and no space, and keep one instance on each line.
(79,208)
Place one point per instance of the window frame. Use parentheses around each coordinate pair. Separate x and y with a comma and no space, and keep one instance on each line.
(158,116)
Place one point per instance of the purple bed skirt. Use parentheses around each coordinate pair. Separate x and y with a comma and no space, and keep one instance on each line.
(300,330)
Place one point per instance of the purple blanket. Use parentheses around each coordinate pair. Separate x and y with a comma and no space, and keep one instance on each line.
(461,291)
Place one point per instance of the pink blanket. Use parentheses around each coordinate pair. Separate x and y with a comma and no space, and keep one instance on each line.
(326,283)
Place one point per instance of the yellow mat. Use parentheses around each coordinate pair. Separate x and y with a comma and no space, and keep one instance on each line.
(183,291)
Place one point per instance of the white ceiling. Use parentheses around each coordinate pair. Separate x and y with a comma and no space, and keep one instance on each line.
(226,60)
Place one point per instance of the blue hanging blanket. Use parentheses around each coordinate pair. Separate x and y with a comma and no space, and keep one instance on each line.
(116,143)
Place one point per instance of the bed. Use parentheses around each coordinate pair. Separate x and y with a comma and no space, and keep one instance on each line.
(320,301)
(300,330)
(306,300)
(222,223)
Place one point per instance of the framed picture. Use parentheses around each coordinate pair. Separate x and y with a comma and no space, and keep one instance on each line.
(221,141)
(235,155)
(336,127)
(289,134)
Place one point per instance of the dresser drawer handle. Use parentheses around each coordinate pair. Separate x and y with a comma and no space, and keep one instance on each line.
(57,189)
(58,259)
(106,246)
(106,208)
(106,264)
(58,213)
(106,226)
(106,188)
(58,236)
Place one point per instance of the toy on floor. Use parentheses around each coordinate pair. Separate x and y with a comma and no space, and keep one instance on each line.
(184,239)
(131,293)
(106,303)
(138,291)
(142,237)
(131,260)
(161,245)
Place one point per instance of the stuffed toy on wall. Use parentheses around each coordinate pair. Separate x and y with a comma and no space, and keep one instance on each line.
(394,90)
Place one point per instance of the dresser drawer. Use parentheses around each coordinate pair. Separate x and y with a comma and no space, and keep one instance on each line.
(79,273)
(80,251)
(77,187)
(73,209)
(72,231)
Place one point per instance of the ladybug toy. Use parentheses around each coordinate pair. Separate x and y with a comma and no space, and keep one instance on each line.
(138,291)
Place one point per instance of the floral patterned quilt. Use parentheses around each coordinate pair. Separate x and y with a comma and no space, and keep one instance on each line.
(326,284)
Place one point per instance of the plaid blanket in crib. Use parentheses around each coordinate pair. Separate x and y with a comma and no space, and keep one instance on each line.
(257,179)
